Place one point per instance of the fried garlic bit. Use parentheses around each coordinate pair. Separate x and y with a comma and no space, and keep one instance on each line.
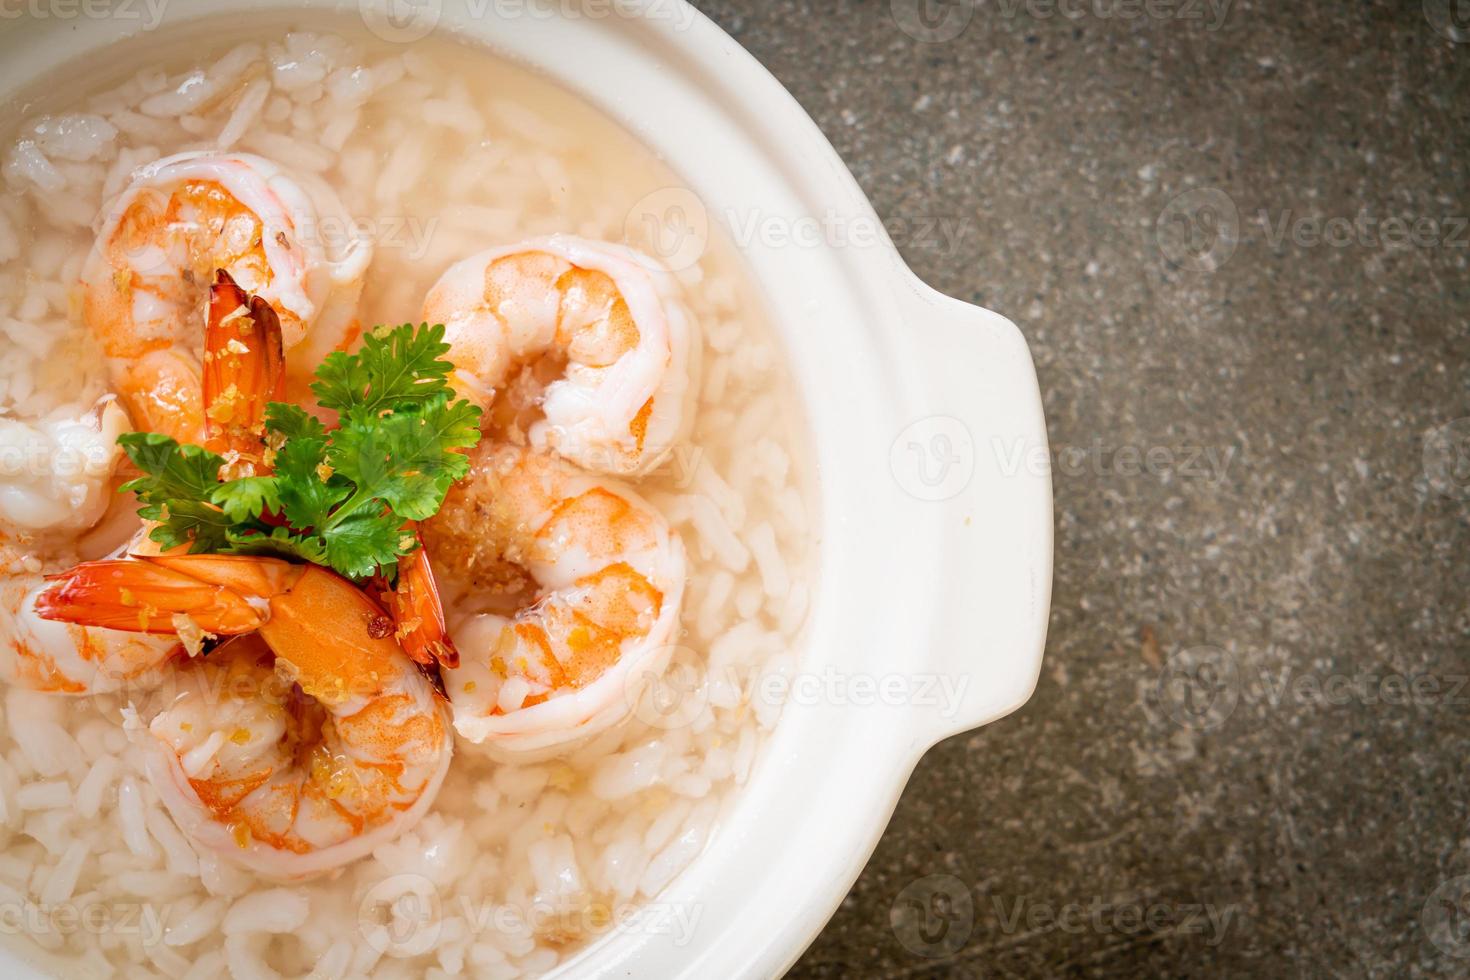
(191,634)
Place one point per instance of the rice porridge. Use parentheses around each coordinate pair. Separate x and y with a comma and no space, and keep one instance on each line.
(429,152)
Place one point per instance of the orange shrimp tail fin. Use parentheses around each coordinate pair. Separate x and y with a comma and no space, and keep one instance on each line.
(418,611)
(142,596)
(248,575)
(244,368)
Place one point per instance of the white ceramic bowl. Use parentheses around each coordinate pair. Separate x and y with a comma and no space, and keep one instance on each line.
(934,489)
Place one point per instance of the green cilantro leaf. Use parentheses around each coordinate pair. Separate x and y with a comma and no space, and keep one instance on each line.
(175,490)
(247,498)
(281,542)
(407,459)
(364,543)
(293,422)
(204,527)
(307,491)
(171,471)
(337,497)
(395,369)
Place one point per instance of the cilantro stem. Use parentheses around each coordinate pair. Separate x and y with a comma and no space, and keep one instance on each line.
(360,496)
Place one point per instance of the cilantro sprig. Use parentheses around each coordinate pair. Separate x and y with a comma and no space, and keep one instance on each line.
(338,497)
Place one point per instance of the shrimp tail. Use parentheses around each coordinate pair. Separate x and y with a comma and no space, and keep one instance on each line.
(244,369)
(329,629)
(145,596)
(418,612)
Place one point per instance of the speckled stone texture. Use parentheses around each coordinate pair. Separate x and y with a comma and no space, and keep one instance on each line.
(1251,701)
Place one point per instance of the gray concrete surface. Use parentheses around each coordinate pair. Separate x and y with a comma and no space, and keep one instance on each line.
(1246,756)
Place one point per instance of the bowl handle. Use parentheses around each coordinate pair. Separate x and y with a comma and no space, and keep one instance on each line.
(974,471)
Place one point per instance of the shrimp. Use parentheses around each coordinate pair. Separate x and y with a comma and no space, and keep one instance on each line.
(64,658)
(56,483)
(158,249)
(573,585)
(54,473)
(594,332)
(243,367)
(296,747)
